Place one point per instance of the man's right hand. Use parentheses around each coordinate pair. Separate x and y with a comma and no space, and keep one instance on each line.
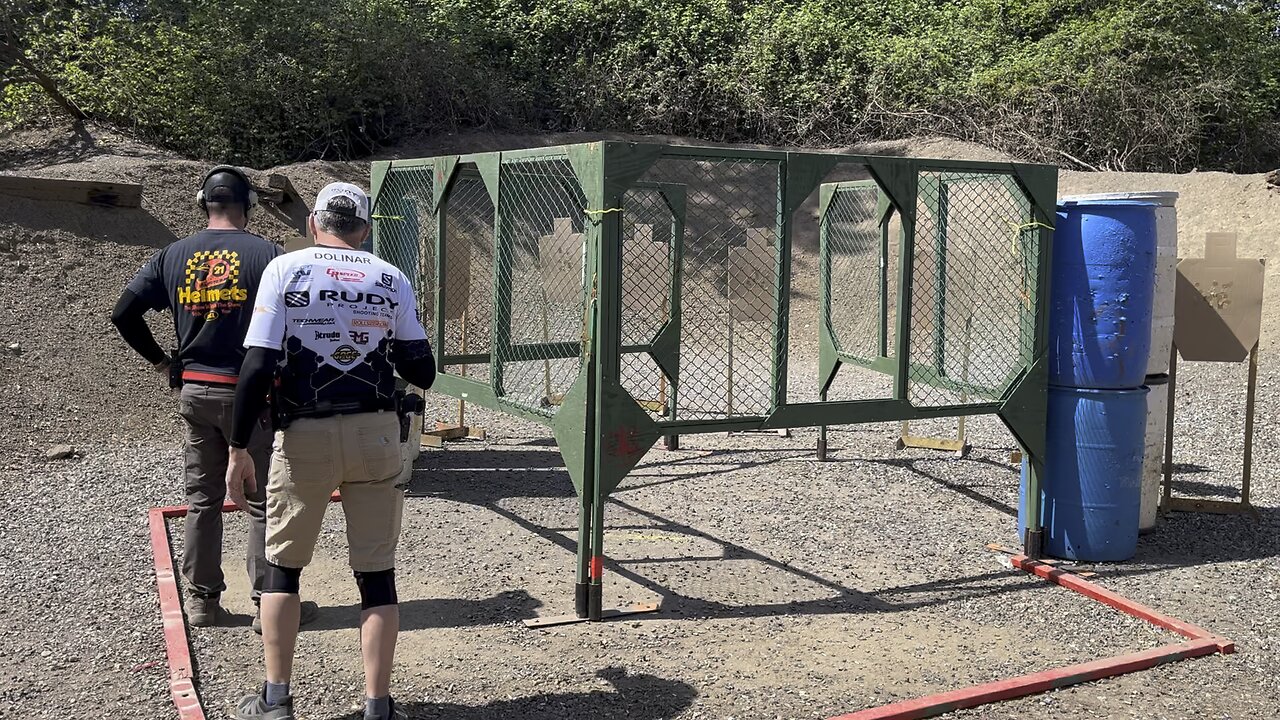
(240,477)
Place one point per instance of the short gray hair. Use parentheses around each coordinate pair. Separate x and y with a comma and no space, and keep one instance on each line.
(340,218)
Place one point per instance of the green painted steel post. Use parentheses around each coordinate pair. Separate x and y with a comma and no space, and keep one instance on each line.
(672,440)
(441,220)
(502,282)
(940,302)
(582,578)
(782,287)
(1033,543)
(587,493)
(1040,185)
(608,337)
(828,195)
(906,279)
(884,275)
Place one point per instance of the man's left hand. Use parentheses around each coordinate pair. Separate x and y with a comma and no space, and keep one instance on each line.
(240,477)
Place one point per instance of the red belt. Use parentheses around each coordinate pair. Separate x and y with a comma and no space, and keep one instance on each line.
(205,377)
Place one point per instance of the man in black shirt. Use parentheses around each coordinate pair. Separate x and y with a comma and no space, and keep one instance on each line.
(208,281)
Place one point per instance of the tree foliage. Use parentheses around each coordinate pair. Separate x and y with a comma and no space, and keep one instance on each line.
(1129,84)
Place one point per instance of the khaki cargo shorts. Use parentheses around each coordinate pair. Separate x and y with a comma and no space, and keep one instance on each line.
(362,456)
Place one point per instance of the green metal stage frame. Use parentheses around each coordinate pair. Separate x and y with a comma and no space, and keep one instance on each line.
(622,292)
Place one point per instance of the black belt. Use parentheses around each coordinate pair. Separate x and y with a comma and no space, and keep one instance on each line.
(326,409)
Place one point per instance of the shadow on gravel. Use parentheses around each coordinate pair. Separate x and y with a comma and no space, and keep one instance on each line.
(1190,539)
(482,478)
(965,489)
(720,460)
(485,478)
(423,614)
(633,697)
(1204,489)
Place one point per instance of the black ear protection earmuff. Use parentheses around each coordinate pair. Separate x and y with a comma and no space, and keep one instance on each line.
(250,197)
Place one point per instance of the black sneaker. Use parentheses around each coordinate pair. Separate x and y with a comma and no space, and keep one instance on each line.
(255,707)
(394,714)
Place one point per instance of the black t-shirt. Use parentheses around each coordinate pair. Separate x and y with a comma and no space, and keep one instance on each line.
(209,281)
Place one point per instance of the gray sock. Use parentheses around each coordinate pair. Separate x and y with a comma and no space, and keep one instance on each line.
(377,708)
(274,693)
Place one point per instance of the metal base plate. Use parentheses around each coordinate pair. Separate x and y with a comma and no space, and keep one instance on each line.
(609,614)
(1051,562)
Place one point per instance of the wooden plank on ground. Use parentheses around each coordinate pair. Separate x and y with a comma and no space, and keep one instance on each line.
(87,192)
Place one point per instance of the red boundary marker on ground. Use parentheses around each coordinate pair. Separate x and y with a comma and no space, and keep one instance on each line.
(182,686)
(1201,642)
(181,675)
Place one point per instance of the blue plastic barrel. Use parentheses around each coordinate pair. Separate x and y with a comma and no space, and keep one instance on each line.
(1104,261)
(1091,492)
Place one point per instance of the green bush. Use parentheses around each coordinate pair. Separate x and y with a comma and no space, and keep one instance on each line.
(1127,84)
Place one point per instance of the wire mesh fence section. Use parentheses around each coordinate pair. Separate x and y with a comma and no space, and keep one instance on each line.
(975,252)
(650,254)
(853,263)
(467,274)
(541,277)
(404,232)
(729,281)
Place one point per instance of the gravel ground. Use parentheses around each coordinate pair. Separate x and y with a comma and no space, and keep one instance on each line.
(843,585)
(790,589)
(80,622)
(847,584)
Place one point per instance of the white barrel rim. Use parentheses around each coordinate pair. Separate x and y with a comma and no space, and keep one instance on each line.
(1163,198)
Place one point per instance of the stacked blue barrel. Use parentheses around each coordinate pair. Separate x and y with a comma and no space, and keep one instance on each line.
(1104,256)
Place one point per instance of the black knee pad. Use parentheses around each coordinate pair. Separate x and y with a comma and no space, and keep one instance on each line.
(377,588)
(278,579)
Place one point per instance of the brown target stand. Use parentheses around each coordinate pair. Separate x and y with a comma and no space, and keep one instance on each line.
(1217,318)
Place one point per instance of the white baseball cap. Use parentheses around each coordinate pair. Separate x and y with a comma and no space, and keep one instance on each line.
(346,190)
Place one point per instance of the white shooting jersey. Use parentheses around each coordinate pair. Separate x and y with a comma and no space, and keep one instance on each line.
(336,313)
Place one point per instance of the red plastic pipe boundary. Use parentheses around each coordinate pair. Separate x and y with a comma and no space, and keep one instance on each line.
(182,688)
(1201,642)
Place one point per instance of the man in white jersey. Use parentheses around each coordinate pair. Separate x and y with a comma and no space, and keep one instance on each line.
(337,323)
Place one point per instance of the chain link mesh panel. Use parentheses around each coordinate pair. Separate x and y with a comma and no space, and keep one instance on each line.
(650,248)
(541,277)
(728,281)
(973,293)
(853,265)
(468,273)
(404,232)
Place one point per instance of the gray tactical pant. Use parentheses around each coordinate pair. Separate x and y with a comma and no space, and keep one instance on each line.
(207,412)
